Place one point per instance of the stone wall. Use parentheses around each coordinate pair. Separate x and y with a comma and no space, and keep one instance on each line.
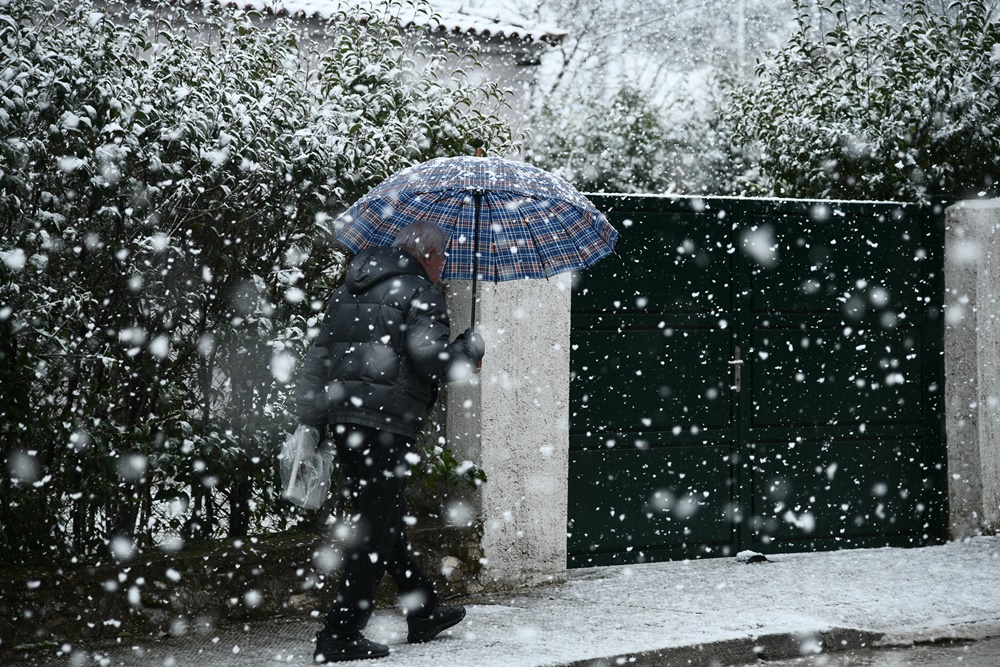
(513,420)
(972,366)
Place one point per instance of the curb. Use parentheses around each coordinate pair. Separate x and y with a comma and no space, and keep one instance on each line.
(956,631)
(787,645)
(778,646)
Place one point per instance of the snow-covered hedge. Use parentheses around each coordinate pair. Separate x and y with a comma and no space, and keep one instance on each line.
(626,144)
(858,106)
(616,145)
(167,184)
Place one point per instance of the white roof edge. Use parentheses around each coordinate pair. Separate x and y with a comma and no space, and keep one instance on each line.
(452,16)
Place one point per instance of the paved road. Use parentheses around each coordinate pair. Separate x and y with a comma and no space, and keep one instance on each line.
(984,653)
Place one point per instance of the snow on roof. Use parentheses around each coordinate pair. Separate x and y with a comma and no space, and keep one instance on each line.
(456,16)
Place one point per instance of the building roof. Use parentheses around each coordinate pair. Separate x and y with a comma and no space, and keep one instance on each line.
(495,18)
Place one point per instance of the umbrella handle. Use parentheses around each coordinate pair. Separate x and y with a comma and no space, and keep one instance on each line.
(477,197)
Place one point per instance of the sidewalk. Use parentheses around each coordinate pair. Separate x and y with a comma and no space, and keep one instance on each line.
(693,613)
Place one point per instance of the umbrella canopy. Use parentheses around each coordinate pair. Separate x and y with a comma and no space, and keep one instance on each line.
(506,220)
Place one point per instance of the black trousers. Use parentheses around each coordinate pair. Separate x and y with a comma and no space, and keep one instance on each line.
(375,468)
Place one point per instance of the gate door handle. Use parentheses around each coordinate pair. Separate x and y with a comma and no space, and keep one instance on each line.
(737,365)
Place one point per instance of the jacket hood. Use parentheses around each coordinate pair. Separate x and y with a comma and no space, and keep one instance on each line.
(373,265)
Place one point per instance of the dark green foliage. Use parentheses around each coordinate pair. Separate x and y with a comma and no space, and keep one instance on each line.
(858,106)
(167,185)
(622,144)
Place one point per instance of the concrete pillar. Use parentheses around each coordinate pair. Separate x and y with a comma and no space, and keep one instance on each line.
(972,365)
(514,422)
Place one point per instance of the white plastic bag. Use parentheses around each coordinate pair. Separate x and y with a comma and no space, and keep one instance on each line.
(306,466)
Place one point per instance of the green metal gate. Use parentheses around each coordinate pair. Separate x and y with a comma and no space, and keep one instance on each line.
(757,374)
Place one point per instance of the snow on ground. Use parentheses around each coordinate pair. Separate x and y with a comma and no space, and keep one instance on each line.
(925,592)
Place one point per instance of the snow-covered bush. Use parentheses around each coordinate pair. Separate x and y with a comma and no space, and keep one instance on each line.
(613,145)
(167,184)
(628,100)
(624,143)
(860,106)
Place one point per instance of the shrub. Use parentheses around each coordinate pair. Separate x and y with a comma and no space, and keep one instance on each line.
(876,109)
(624,143)
(167,186)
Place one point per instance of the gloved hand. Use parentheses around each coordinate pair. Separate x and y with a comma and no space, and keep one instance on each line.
(473,344)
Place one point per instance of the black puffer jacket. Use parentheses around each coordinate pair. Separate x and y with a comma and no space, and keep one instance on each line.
(382,348)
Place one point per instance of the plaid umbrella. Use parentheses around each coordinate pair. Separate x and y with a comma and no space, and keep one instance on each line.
(505,220)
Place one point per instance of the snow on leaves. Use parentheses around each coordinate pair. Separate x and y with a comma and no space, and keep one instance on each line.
(167,180)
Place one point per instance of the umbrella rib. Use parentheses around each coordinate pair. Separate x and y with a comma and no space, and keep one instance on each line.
(579,255)
(582,263)
(538,248)
(441,196)
(576,248)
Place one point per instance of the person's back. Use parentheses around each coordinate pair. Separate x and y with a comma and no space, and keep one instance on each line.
(383,346)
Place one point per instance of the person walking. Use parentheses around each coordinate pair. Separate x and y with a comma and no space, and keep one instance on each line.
(369,379)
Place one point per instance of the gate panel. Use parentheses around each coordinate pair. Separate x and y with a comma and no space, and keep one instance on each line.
(823,376)
(652,413)
(757,374)
(841,381)
(660,378)
(637,503)
(836,493)
(667,262)
(851,261)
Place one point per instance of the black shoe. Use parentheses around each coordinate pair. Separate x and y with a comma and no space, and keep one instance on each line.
(331,648)
(426,629)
